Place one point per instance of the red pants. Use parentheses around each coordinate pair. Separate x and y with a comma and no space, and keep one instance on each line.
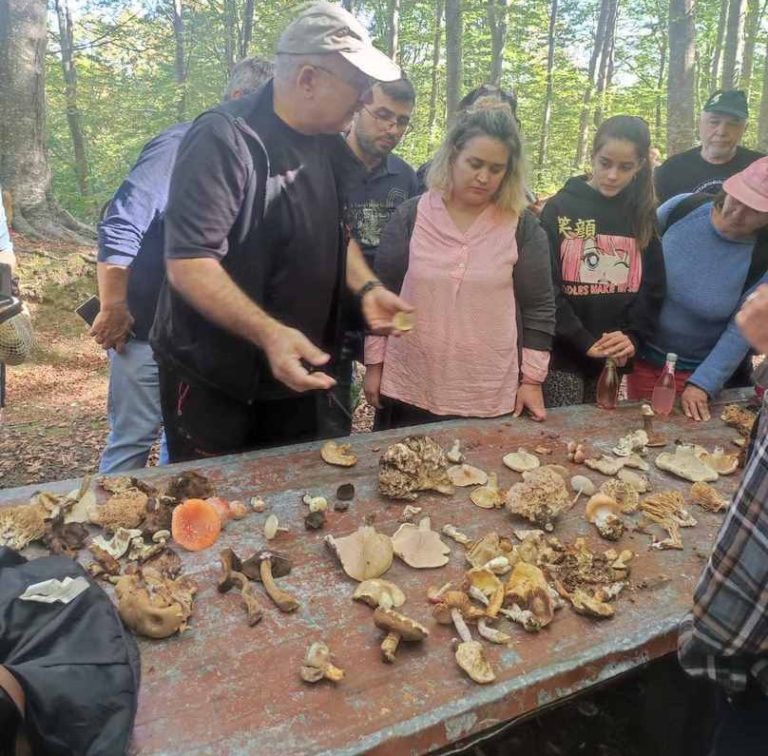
(642,379)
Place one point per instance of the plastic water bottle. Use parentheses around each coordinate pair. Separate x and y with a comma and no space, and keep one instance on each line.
(663,397)
(608,386)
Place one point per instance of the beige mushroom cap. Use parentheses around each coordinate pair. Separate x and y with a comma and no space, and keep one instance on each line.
(521,460)
(338,454)
(467,475)
(379,593)
(363,554)
(583,485)
(720,461)
(455,600)
(394,622)
(470,656)
(419,546)
(601,503)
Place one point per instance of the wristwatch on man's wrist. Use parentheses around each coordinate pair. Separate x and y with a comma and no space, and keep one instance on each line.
(374,283)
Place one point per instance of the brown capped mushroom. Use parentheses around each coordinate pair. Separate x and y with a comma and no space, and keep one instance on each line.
(379,593)
(467,475)
(231,577)
(603,511)
(470,656)
(654,437)
(363,554)
(266,565)
(488,496)
(398,628)
(527,590)
(419,546)
(485,581)
(338,454)
(521,460)
(317,665)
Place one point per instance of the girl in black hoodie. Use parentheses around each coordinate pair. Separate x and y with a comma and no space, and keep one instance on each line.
(607,261)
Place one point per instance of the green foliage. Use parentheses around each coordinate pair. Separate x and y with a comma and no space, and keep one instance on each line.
(127,89)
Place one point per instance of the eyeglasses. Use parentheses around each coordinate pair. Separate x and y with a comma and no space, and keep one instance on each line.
(358,81)
(401,123)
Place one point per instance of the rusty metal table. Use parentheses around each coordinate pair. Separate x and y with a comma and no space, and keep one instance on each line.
(225,688)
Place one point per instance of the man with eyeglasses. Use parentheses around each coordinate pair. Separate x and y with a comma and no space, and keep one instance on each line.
(256,254)
(372,197)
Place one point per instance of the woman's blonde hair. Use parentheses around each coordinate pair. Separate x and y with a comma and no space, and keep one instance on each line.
(494,119)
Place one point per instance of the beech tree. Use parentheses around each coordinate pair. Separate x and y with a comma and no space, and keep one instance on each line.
(681,94)
(453,34)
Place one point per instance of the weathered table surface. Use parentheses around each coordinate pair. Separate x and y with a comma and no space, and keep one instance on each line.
(225,688)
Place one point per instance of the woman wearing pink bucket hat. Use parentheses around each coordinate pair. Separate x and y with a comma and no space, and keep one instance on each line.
(715,253)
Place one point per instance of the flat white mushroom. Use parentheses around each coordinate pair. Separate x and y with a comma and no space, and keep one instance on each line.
(488,496)
(272,527)
(419,546)
(581,484)
(521,460)
(379,593)
(720,461)
(363,554)
(467,475)
(685,464)
(605,464)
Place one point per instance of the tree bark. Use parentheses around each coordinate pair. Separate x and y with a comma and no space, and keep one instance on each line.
(734,47)
(497,20)
(544,139)
(762,123)
(74,118)
(24,169)
(180,61)
(717,57)
(663,48)
(681,99)
(435,69)
(393,42)
(247,30)
(453,34)
(755,10)
(582,139)
(229,36)
(605,71)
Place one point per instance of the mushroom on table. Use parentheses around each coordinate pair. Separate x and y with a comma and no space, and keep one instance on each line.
(265,566)
(398,628)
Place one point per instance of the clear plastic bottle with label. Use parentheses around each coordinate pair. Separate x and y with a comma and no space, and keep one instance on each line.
(663,397)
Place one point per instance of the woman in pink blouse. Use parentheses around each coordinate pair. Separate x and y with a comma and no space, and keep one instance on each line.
(476,266)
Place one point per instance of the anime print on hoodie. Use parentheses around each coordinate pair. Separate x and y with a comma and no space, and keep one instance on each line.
(603,280)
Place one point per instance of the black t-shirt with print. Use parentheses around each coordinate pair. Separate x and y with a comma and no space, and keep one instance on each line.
(688,172)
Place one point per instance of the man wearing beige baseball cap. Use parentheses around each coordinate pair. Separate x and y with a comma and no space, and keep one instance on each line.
(256,253)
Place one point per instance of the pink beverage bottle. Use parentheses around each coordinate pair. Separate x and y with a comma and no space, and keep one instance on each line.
(663,397)
(608,386)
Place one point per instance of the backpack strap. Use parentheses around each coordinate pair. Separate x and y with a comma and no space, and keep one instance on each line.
(684,207)
(759,262)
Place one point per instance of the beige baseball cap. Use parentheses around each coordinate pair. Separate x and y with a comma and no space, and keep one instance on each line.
(325,28)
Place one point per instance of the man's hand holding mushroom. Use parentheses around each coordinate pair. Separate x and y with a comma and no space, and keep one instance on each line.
(380,306)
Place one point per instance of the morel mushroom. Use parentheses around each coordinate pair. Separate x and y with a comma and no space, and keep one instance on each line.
(398,628)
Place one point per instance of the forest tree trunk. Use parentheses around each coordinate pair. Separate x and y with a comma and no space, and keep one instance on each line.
(246,33)
(734,47)
(453,64)
(74,118)
(180,61)
(717,56)
(681,96)
(762,123)
(497,19)
(605,70)
(435,69)
(755,9)
(393,41)
(582,139)
(24,170)
(230,35)
(544,139)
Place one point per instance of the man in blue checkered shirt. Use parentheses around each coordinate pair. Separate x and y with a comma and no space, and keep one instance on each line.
(725,638)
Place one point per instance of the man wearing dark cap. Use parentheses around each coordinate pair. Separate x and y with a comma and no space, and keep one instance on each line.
(256,253)
(720,156)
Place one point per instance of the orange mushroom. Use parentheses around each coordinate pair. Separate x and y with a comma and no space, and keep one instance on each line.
(195,524)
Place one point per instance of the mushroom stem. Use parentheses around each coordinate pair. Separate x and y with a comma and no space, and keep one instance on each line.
(492,634)
(461,626)
(252,604)
(456,535)
(478,595)
(284,601)
(389,646)
(333,673)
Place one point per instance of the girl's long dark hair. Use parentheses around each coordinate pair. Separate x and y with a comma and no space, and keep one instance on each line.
(642,207)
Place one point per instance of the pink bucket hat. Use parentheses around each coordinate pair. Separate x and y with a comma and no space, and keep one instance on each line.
(750,186)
